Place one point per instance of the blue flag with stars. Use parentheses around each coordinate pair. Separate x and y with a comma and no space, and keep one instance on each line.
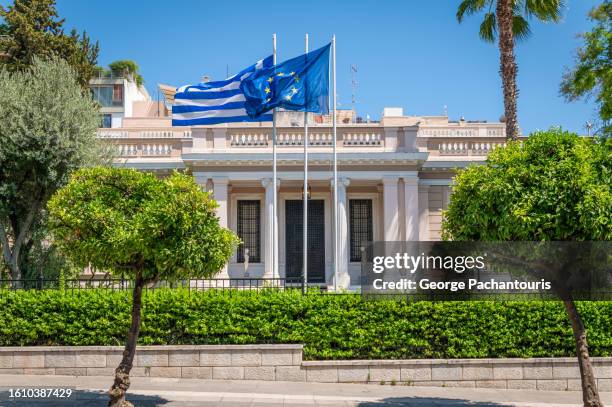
(300,83)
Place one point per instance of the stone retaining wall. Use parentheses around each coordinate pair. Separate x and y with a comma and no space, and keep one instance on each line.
(284,363)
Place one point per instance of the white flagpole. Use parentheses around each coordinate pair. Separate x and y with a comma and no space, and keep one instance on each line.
(275,198)
(305,261)
(334,131)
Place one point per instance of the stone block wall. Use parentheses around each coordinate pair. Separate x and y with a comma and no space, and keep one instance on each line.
(284,363)
(530,374)
(236,362)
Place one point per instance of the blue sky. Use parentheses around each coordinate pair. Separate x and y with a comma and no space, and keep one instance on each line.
(410,54)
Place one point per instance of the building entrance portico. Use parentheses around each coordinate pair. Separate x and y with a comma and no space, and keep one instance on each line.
(294,240)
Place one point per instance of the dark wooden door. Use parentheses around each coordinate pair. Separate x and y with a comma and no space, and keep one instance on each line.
(294,239)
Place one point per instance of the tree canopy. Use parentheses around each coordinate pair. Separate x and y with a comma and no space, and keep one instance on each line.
(544,10)
(127,66)
(508,21)
(48,130)
(130,223)
(34,29)
(141,227)
(554,186)
(592,75)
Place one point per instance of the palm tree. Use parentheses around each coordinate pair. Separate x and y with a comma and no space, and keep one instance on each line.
(509,18)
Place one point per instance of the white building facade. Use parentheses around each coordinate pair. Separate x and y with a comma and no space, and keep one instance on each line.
(394,181)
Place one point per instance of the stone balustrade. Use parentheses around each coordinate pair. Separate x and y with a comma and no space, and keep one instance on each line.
(144,150)
(249,140)
(280,362)
(315,138)
(446,132)
(362,139)
(463,140)
(163,133)
(467,148)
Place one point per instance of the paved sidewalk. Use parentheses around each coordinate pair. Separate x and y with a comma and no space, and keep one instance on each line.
(150,392)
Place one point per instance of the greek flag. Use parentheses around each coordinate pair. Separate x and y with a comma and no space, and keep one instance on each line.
(216,102)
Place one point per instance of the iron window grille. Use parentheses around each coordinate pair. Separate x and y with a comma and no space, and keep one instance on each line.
(360,212)
(249,224)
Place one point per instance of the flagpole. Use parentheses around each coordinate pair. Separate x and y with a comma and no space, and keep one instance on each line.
(334,131)
(275,198)
(305,261)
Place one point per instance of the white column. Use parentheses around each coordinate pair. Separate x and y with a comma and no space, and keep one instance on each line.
(424,212)
(342,241)
(268,245)
(201,179)
(411,195)
(390,215)
(220,194)
(276,271)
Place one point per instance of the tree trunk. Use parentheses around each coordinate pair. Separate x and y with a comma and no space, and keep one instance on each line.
(20,233)
(590,395)
(508,66)
(122,373)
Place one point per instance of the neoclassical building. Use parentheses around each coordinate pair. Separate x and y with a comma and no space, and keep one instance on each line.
(394,179)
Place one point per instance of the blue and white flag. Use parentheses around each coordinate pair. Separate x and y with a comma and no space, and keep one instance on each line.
(216,102)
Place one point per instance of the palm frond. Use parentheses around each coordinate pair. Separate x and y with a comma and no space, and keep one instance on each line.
(520,28)
(469,7)
(488,27)
(545,10)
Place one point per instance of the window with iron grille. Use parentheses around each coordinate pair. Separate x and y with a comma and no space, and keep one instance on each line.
(249,223)
(360,212)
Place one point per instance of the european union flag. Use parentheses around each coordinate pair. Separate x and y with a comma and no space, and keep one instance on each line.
(301,84)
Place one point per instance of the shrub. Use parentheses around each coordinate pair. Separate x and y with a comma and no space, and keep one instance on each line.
(330,326)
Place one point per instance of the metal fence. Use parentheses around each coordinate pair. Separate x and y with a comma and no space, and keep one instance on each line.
(119,284)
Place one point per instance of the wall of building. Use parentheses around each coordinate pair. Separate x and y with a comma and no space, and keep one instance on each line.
(438,201)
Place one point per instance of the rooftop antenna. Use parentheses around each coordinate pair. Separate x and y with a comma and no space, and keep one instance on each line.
(354,89)
(158,101)
(588,126)
(445,110)
(227,71)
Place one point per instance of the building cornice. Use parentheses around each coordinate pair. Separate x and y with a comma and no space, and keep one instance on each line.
(314,158)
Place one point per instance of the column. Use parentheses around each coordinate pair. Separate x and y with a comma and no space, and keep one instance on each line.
(424,212)
(268,229)
(411,194)
(220,194)
(342,241)
(390,203)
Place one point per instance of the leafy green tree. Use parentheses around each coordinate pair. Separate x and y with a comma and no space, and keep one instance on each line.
(555,186)
(136,225)
(129,67)
(509,19)
(592,75)
(48,129)
(34,29)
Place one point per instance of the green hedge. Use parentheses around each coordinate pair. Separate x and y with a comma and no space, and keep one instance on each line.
(330,326)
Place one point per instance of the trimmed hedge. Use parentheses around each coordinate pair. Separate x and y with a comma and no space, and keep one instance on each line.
(330,326)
